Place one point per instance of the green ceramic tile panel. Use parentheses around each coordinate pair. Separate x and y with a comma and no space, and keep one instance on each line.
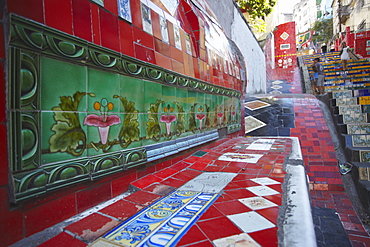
(133,90)
(57,142)
(61,79)
(104,85)
(182,98)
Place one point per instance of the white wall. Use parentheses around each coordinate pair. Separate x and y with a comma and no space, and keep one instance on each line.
(237,29)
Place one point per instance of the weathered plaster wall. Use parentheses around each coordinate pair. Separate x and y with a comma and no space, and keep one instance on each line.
(237,29)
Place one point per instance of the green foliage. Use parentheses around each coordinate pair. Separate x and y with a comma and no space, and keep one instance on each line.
(323,30)
(68,132)
(180,123)
(153,130)
(256,8)
(192,122)
(129,131)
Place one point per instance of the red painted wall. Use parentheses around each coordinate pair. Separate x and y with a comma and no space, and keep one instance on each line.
(102,26)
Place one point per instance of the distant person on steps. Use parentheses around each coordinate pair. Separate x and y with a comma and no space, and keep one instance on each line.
(321,75)
(344,55)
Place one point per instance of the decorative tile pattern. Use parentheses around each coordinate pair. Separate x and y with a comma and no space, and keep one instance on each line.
(124,10)
(350,108)
(257,202)
(261,144)
(364,156)
(212,182)
(164,222)
(342,94)
(355,118)
(346,101)
(358,128)
(255,105)
(238,157)
(361,140)
(252,123)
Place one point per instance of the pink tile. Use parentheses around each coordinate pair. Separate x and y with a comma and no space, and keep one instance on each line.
(180,165)
(53,18)
(239,193)
(270,213)
(146,181)
(205,243)
(92,196)
(142,197)
(122,209)
(193,235)
(63,239)
(92,227)
(82,19)
(213,230)
(232,207)
(277,199)
(173,182)
(159,189)
(246,183)
(168,172)
(212,212)
(109,31)
(48,214)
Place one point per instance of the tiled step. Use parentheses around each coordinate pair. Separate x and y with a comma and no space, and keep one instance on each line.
(353,118)
(358,141)
(358,154)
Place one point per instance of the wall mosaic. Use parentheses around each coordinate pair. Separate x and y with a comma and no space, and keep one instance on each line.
(78,111)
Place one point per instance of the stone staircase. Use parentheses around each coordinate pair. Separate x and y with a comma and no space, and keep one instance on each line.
(349,101)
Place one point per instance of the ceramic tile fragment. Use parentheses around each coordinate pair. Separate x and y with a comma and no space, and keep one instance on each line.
(257,202)
(242,240)
(238,157)
(251,221)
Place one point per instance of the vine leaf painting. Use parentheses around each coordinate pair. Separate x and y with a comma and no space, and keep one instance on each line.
(153,128)
(129,131)
(192,122)
(69,136)
(180,124)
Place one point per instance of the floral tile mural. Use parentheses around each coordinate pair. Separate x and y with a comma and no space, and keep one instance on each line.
(79,111)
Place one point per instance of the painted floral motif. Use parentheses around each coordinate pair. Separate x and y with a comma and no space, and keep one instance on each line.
(102,121)
(69,136)
(135,233)
(201,116)
(168,118)
(220,115)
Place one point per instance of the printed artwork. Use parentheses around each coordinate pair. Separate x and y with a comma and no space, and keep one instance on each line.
(124,10)
(176,30)
(255,105)
(252,123)
(147,20)
(188,44)
(261,144)
(164,29)
(237,157)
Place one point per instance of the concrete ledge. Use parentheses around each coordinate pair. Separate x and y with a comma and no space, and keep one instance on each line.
(298,227)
